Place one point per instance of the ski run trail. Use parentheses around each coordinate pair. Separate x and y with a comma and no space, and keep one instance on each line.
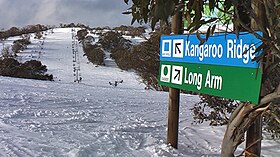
(63,118)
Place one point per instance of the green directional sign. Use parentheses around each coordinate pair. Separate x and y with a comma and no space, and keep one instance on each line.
(230,82)
(222,66)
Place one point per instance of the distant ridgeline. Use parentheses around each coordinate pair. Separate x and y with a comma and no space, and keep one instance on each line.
(14,31)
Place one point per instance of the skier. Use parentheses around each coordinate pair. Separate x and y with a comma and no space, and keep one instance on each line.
(115,84)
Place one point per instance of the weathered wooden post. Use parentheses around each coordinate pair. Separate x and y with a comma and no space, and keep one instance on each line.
(174,94)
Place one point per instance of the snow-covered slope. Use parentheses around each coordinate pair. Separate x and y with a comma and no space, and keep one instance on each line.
(92,118)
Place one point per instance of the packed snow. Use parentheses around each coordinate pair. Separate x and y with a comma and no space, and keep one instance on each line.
(93,118)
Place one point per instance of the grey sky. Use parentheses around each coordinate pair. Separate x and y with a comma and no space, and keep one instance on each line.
(94,13)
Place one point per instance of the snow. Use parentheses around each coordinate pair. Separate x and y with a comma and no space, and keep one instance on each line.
(91,118)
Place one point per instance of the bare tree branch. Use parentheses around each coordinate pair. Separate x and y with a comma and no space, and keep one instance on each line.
(270,97)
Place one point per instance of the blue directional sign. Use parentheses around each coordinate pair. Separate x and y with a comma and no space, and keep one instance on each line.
(222,66)
(219,49)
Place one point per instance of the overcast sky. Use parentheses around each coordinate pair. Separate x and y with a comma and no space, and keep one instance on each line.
(94,13)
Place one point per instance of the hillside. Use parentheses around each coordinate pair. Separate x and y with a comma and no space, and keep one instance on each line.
(93,118)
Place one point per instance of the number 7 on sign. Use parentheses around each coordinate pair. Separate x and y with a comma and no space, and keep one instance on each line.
(178,46)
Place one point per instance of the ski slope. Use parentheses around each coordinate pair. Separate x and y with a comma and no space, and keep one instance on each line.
(92,118)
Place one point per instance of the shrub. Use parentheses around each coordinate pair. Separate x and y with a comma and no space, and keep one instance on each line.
(30,69)
(95,54)
(122,57)
(111,40)
(7,53)
(24,41)
(14,31)
(130,30)
(81,34)
(20,45)
(35,70)
(145,61)
(17,47)
(38,35)
(213,109)
(34,67)
(9,67)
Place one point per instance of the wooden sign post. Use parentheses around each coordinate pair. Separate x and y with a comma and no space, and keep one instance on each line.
(174,94)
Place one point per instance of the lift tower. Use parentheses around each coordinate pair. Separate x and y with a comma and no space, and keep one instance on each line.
(76,58)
